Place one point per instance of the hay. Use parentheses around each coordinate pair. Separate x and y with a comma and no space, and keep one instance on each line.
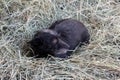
(100,60)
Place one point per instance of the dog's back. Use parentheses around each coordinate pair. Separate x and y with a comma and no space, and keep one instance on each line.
(71,31)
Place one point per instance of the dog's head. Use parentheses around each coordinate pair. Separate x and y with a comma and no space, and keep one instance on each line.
(46,42)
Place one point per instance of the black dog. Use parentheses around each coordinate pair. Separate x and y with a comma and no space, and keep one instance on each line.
(59,38)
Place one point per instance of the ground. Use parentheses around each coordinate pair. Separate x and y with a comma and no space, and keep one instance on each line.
(99,60)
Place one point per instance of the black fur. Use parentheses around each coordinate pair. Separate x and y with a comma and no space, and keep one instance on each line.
(61,36)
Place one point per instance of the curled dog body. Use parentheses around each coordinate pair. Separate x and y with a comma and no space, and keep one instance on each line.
(59,38)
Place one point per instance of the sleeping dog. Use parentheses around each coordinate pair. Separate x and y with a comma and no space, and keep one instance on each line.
(61,37)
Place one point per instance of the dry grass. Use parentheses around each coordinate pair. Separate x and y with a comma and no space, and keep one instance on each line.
(100,60)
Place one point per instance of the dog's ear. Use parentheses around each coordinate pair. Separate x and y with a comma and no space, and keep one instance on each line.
(52,32)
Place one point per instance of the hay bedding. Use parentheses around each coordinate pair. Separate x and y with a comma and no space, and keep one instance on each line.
(100,60)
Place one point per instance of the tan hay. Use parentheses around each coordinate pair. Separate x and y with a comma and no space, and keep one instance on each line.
(100,60)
